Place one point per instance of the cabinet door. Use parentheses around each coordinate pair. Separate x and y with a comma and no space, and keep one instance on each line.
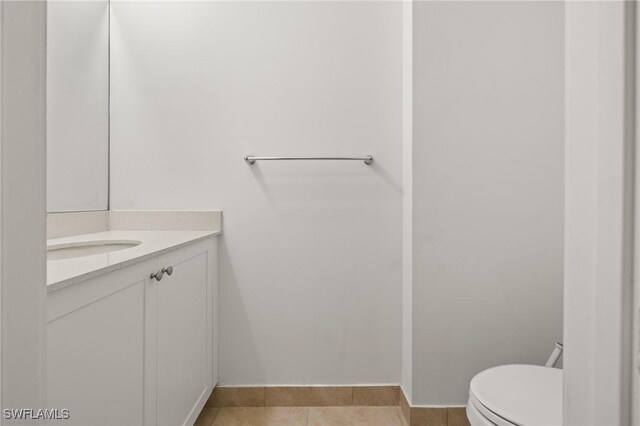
(95,348)
(184,376)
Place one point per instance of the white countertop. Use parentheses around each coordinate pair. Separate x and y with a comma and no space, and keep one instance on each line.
(64,272)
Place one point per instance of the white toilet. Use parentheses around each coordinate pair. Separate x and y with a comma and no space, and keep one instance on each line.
(516,395)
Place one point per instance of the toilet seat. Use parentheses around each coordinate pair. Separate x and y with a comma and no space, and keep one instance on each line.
(475,417)
(479,415)
(516,395)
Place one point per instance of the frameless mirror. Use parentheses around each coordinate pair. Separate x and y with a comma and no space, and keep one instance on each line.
(77,105)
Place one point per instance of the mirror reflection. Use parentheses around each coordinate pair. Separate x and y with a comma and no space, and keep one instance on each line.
(77,105)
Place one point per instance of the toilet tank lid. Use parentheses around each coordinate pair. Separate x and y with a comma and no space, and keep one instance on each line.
(521,394)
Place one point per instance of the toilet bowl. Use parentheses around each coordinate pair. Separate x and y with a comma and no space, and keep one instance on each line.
(516,395)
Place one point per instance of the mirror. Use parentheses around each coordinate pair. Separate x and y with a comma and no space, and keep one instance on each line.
(77,105)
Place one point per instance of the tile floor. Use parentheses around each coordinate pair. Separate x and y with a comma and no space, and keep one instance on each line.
(293,416)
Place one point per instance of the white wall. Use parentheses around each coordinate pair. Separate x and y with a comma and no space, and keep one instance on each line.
(77,105)
(312,257)
(22,205)
(311,254)
(600,142)
(487,190)
(406,379)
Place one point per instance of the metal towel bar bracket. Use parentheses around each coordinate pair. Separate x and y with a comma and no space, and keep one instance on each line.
(250,159)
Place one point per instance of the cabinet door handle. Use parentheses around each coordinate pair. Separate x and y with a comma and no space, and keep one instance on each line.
(168,270)
(157,275)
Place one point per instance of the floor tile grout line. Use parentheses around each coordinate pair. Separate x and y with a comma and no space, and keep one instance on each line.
(308,412)
(215,414)
(398,414)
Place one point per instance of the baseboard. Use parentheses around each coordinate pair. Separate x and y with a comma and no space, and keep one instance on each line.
(431,416)
(197,409)
(323,396)
(304,396)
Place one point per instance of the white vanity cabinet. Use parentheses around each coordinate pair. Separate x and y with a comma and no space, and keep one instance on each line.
(183,333)
(96,345)
(126,349)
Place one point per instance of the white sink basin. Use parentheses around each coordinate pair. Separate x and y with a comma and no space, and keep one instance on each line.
(87,248)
